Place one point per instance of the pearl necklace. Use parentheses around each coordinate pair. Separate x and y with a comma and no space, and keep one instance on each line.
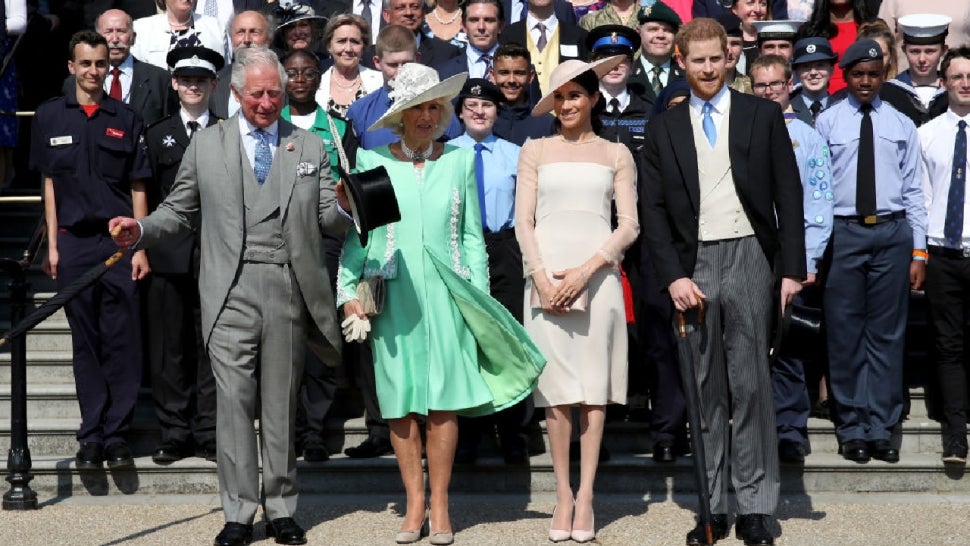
(434,13)
(347,86)
(417,156)
(180,23)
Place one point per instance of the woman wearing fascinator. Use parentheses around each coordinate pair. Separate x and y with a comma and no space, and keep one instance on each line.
(428,355)
(574,299)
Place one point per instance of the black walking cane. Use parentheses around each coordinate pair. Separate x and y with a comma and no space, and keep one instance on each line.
(52,305)
(694,417)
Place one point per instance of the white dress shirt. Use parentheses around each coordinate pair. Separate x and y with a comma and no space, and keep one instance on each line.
(376,7)
(551,24)
(202,119)
(127,75)
(224,11)
(937,138)
(721,103)
(623,98)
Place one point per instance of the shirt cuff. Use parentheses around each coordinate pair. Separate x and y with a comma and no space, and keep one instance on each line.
(141,233)
(344,213)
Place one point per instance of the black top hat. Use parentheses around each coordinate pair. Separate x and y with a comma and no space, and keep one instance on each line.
(797,332)
(372,200)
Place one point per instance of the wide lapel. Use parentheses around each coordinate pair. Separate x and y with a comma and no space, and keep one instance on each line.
(682,142)
(234,158)
(739,138)
(287,156)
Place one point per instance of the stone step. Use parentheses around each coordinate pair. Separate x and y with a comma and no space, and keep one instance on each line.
(636,474)
(43,367)
(58,401)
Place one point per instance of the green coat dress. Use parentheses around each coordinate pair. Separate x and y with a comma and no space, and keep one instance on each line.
(441,343)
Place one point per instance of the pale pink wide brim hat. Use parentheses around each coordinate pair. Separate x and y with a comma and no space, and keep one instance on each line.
(567,71)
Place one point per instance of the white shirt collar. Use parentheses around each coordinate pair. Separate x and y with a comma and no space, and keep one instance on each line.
(551,22)
(720,101)
(623,98)
(127,66)
(203,119)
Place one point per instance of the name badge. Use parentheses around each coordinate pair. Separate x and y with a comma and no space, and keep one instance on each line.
(114,133)
(62,140)
(569,50)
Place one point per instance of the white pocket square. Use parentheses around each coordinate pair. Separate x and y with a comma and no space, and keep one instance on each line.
(305,169)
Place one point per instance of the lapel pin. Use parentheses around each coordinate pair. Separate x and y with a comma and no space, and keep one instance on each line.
(290,147)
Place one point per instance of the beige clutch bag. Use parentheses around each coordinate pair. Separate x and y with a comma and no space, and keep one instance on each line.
(370,292)
(578,304)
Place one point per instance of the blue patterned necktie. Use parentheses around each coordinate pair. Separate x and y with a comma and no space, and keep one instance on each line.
(480,180)
(264,157)
(487,59)
(708,124)
(953,224)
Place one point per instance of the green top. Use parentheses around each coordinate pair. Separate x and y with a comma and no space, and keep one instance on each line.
(321,128)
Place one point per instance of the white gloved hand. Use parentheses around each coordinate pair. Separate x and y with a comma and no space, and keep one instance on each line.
(355,329)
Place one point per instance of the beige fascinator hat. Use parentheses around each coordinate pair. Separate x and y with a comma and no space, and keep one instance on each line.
(415,84)
(567,71)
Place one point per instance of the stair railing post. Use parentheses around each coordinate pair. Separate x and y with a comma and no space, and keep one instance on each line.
(20,496)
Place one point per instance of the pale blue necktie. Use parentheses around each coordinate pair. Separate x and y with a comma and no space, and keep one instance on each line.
(211,8)
(264,157)
(708,124)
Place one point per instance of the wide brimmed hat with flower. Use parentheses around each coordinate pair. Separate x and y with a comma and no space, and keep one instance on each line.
(568,70)
(291,12)
(415,84)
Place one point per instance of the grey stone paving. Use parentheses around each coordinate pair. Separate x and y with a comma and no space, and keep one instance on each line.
(823,519)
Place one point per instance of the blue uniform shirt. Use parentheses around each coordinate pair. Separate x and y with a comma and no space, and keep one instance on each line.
(368,109)
(501,162)
(897,152)
(813,160)
(92,161)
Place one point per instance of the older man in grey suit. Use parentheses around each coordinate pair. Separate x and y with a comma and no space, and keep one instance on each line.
(259,190)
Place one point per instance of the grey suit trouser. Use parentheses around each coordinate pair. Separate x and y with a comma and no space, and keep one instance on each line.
(730,354)
(258,342)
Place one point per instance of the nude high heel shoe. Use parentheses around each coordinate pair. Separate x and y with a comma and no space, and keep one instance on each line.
(558,535)
(440,538)
(579,535)
(410,537)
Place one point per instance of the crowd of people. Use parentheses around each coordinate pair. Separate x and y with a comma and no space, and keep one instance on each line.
(571,177)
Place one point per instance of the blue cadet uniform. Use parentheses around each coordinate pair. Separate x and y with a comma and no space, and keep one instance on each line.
(867,291)
(496,170)
(792,403)
(92,162)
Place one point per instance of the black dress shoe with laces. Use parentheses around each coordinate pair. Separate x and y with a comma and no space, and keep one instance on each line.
(719,530)
(315,452)
(169,452)
(371,447)
(234,534)
(90,456)
(883,450)
(790,452)
(752,530)
(855,450)
(955,450)
(118,455)
(285,531)
(663,451)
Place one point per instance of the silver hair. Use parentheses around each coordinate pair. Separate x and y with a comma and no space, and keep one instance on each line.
(247,57)
(270,27)
(447,112)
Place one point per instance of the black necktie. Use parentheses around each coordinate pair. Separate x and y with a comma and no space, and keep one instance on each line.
(193,127)
(615,107)
(956,198)
(815,108)
(865,178)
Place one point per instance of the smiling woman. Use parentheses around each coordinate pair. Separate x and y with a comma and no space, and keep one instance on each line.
(347,80)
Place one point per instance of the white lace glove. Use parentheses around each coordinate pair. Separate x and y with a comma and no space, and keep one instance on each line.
(355,329)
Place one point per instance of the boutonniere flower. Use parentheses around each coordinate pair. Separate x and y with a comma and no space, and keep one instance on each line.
(305,169)
(290,147)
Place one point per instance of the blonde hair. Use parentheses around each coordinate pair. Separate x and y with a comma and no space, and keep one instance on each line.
(877,29)
(396,122)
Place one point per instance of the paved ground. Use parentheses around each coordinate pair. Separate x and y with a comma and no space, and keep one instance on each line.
(858,519)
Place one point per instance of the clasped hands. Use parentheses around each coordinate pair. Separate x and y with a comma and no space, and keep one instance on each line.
(557,297)
(356,325)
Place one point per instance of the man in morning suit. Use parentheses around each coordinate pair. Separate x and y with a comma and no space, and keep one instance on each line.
(143,86)
(515,11)
(183,387)
(549,40)
(878,252)
(260,192)
(722,212)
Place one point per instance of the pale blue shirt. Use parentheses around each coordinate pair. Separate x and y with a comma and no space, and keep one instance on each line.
(897,151)
(812,156)
(720,102)
(501,161)
(249,140)
(476,67)
(127,75)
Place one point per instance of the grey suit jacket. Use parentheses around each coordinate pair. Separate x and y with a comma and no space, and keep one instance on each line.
(208,196)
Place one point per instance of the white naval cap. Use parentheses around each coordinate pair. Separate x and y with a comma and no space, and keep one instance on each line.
(783,29)
(924,28)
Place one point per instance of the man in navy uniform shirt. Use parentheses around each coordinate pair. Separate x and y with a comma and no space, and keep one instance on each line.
(878,252)
(183,386)
(918,92)
(88,147)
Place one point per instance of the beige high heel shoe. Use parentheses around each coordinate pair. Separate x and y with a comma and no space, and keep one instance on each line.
(440,538)
(580,535)
(410,537)
(558,535)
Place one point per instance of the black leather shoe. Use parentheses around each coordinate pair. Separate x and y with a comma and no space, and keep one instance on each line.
(118,455)
(955,450)
(371,447)
(790,452)
(883,450)
(90,456)
(855,450)
(234,534)
(169,452)
(286,531)
(207,452)
(752,530)
(315,452)
(663,451)
(719,530)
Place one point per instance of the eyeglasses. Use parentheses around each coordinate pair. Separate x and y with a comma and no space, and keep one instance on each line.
(775,86)
(307,73)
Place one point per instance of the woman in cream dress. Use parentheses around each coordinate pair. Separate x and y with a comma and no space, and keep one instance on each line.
(566,187)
